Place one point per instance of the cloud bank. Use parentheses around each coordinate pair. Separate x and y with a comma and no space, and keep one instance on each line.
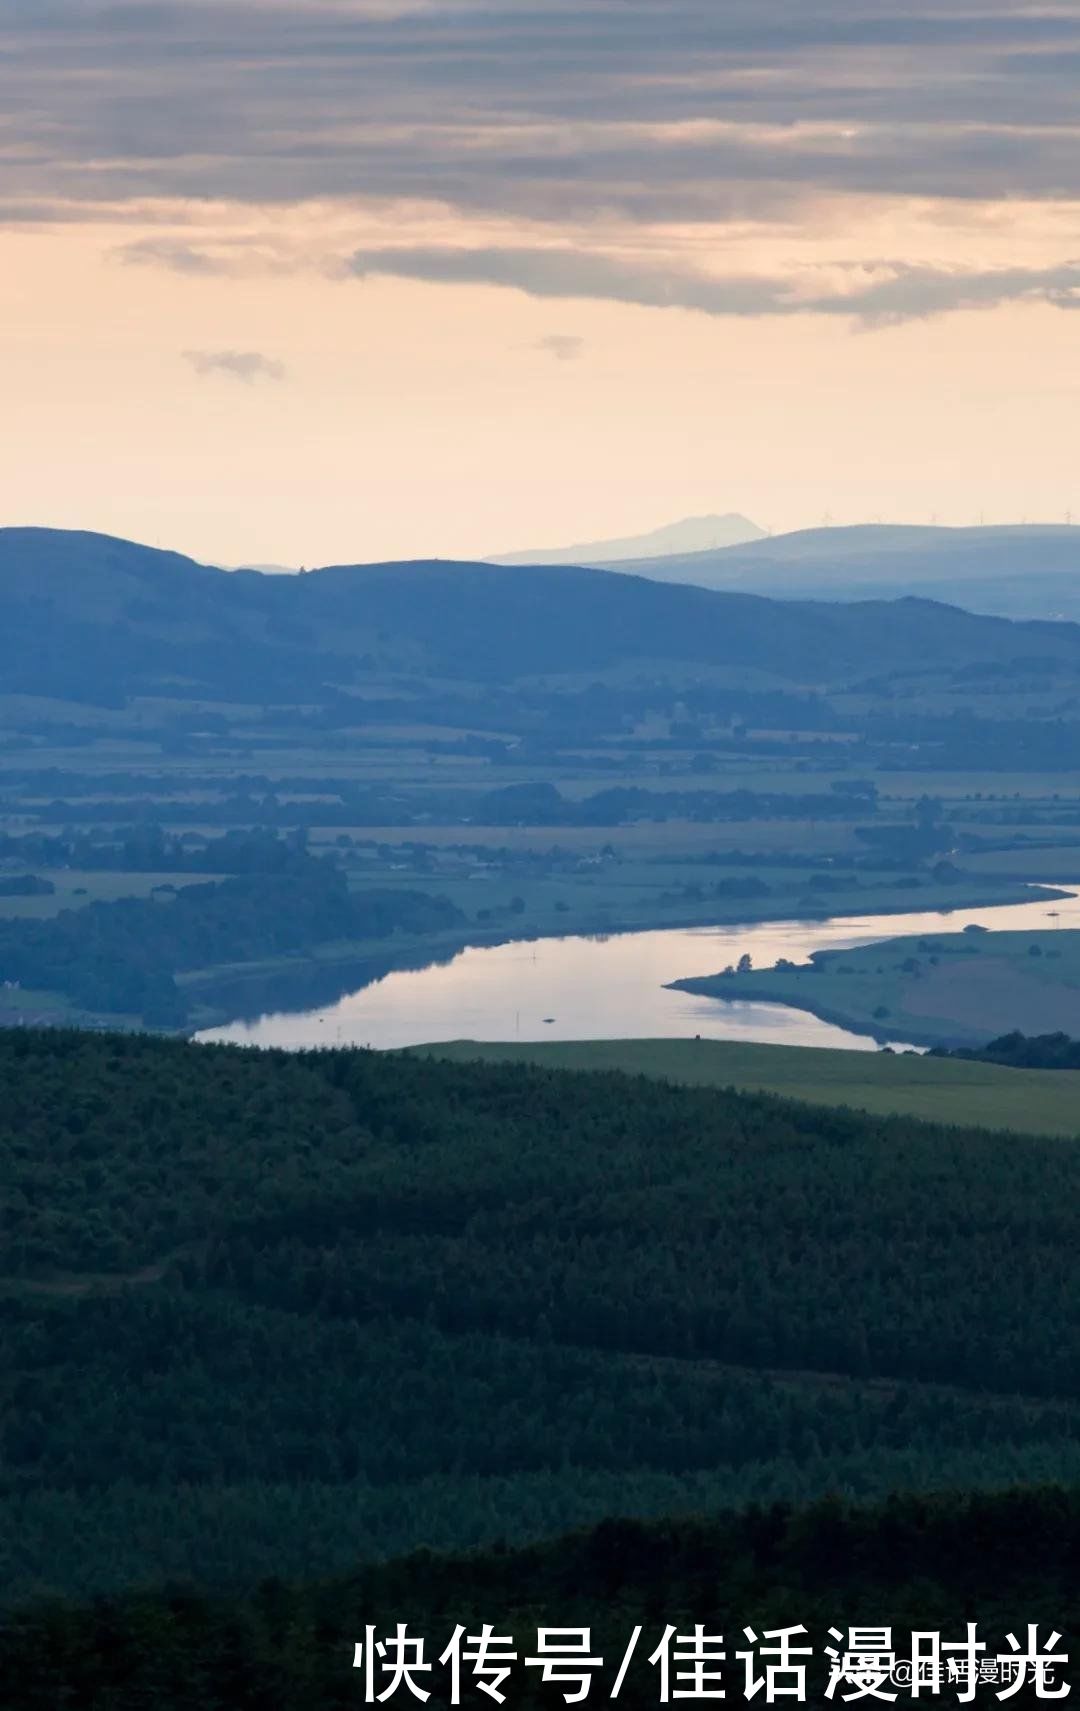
(596,127)
(889,294)
(693,109)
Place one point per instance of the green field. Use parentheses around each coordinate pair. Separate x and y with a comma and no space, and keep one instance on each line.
(935,989)
(1026,1101)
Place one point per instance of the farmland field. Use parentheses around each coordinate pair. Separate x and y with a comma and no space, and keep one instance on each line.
(938,988)
(1045,1102)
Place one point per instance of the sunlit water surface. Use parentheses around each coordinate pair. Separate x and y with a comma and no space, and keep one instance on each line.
(612,987)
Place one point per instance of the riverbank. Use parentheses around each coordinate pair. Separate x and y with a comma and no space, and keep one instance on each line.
(243,992)
(612,985)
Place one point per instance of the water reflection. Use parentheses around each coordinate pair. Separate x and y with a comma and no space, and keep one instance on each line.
(611,987)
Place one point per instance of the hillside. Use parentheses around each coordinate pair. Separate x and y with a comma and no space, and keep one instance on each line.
(270,1314)
(943,1090)
(87,615)
(1018,572)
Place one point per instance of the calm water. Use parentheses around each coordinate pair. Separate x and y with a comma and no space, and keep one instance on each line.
(610,988)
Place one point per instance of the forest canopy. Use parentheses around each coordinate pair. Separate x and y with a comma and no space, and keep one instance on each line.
(263,1313)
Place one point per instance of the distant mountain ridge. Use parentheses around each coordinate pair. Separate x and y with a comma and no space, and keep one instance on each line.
(691,535)
(88,615)
(1022,571)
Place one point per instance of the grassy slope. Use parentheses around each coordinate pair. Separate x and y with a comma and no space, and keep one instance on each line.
(1043,1102)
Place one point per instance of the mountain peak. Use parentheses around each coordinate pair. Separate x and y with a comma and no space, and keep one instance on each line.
(690,535)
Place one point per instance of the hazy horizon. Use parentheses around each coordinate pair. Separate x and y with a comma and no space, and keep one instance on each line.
(522,557)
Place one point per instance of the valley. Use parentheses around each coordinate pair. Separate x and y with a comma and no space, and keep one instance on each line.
(539,854)
(695,759)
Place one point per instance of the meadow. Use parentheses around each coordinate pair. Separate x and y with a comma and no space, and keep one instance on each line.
(987,1096)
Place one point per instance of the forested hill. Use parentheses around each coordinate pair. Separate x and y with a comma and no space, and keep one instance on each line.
(88,615)
(271,1314)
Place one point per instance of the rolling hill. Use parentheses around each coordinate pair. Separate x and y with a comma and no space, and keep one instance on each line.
(88,615)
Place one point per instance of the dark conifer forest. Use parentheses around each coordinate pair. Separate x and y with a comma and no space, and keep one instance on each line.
(287,1317)
(910,1565)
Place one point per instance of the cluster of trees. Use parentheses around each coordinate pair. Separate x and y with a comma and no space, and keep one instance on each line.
(965,741)
(25,885)
(540,804)
(261,1311)
(149,849)
(123,957)
(1021,1051)
(725,890)
(543,804)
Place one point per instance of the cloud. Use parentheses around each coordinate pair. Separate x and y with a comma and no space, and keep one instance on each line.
(569,273)
(564,347)
(632,131)
(913,293)
(570,109)
(170,253)
(248,366)
(887,293)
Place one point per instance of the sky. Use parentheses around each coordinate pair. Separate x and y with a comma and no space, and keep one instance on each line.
(315,281)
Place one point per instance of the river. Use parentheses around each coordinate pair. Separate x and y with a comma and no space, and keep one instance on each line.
(611,987)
